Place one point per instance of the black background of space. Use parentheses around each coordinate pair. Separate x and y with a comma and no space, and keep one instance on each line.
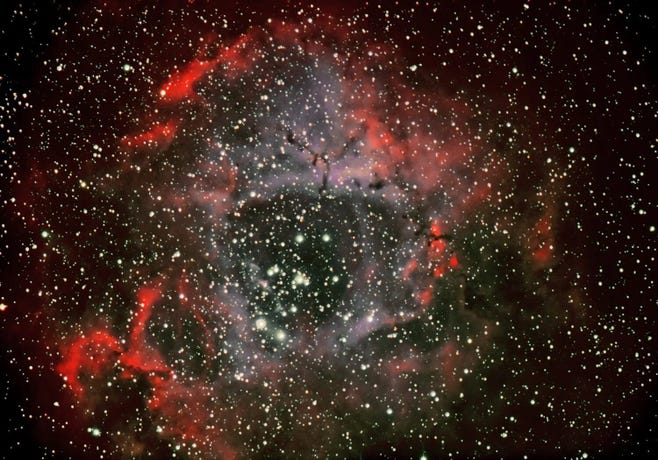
(29,35)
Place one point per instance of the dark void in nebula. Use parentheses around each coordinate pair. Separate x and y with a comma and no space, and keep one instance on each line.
(327,231)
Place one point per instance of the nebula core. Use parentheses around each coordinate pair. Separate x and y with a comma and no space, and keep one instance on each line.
(397,230)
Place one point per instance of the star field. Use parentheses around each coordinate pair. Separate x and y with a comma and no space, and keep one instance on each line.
(393,230)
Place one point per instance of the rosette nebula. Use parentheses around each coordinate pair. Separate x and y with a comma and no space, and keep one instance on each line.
(328,231)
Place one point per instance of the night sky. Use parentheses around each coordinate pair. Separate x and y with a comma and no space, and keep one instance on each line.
(278,230)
